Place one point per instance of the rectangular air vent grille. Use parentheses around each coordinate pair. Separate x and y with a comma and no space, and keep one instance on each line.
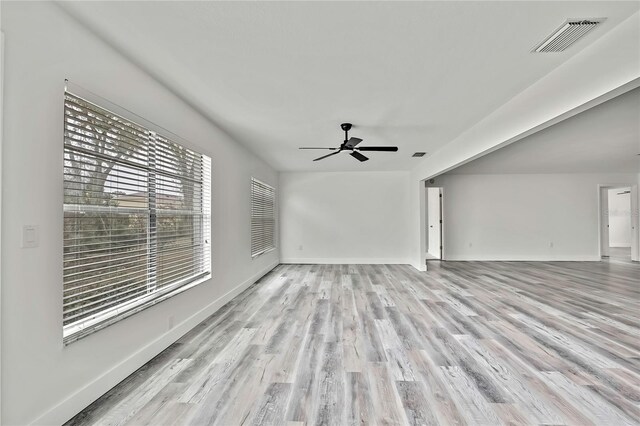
(419,154)
(570,32)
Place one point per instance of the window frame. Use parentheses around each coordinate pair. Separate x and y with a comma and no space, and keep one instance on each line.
(103,318)
(275,218)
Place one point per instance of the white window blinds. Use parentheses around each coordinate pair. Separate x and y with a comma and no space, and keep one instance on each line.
(263,218)
(137,213)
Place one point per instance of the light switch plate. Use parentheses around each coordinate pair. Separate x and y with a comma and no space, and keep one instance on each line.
(30,236)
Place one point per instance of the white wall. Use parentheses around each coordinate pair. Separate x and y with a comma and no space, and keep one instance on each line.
(42,380)
(601,71)
(619,218)
(351,217)
(520,217)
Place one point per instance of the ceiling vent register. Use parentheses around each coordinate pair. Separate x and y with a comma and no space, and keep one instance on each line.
(569,33)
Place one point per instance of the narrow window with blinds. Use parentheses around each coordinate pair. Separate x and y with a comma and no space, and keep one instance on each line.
(137,214)
(263,218)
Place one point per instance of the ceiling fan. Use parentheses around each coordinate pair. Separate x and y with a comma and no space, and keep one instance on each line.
(349,144)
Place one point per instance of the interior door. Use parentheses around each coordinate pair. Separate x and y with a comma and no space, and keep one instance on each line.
(434,220)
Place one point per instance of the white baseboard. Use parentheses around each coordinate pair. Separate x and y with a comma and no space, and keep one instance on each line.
(497,258)
(620,245)
(422,266)
(345,261)
(73,404)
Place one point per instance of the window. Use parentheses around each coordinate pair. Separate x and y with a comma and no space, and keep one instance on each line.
(263,218)
(137,213)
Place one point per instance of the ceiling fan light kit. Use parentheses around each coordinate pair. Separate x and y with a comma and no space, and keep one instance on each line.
(350,144)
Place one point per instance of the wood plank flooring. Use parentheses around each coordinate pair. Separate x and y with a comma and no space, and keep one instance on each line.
(475,343)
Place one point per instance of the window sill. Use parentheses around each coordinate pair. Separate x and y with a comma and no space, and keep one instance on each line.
(253,256)
(75,332)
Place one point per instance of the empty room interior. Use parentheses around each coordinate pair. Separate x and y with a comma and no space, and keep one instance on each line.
(336,213)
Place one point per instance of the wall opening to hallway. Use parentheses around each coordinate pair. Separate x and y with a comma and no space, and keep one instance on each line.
(617,227)
(434,221)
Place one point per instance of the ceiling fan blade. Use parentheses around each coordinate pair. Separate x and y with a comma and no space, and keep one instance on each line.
(378,148)
(333,149)
(353,142)
(328,155)
(359,156)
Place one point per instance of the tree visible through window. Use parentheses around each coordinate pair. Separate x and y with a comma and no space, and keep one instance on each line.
(136,217)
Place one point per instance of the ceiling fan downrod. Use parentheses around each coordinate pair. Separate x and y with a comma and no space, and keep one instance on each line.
(346,127)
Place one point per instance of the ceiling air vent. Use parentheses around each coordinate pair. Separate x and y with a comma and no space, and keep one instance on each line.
(419,154)
(570,32)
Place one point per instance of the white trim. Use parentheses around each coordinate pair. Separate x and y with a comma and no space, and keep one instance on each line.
(603,225)
(442,226)
(440,188)
(635,224)
(84,396)
(346,261)
(1,142)
(603,250)
(420,267)
(265,251)
(523,258)
(423,243)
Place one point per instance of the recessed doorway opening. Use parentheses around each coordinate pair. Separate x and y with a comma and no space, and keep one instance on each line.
(618,233)
(434,221)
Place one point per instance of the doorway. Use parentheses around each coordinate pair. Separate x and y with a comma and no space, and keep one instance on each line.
(617,227)
(435,244)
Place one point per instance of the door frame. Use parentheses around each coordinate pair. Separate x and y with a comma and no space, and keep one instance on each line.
(635,224)
(441,224)
(603,194)
(603,221)
(441,202)
(2,77)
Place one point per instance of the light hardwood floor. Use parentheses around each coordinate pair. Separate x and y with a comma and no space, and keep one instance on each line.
(477,343)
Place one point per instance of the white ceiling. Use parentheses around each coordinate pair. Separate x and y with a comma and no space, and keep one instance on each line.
(279,75)
(603,139)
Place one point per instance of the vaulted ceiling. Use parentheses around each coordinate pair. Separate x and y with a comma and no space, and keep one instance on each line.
(603,139)
(280,75)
